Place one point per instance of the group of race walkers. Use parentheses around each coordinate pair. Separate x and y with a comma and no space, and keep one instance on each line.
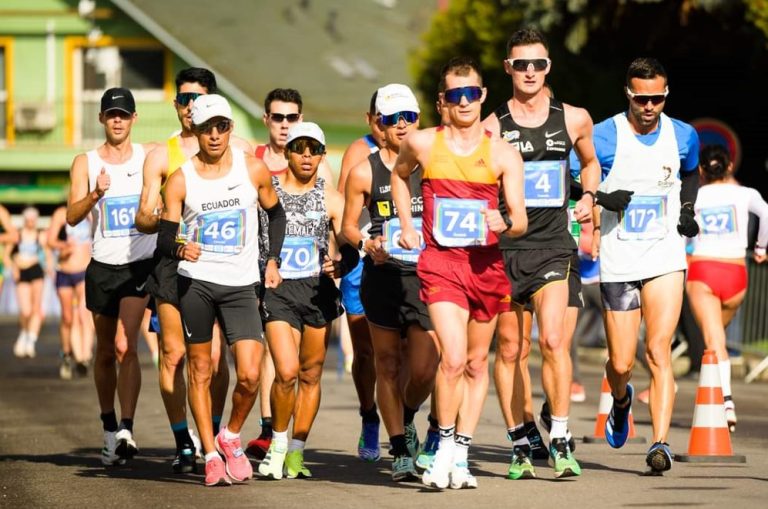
(443,238)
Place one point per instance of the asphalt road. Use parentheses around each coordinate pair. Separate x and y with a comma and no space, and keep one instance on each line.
(50,437)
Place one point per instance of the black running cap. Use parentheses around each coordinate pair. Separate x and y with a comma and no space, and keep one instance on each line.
(118,99)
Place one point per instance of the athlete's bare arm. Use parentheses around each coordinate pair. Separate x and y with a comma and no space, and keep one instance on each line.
(10,234)
(155,169)
(261,179)
(81,199)
(579,125)
(414,150)
(356,194)
(358,151)
(58,219)
(509,162)
(175,194)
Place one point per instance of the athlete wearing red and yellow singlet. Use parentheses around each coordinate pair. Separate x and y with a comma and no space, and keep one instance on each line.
(461,268)
(472,277)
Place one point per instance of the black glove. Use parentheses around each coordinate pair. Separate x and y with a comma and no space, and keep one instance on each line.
(687,225)
(615,201)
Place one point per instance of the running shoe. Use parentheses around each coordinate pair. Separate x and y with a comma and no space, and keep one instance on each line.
(428,449)
(294,466)
(521,467)
(368,448)
(403,469)
(412,439)
(238,466)
(578,394)
(561,458)
(659,458)
(439,472)
(108,455)
(185,462)
(81,368)
(461,478)
(65,367)
(126,445)
(29,347)
(259,446)
(617,424)
(272,465)
(545,419)
(216,473)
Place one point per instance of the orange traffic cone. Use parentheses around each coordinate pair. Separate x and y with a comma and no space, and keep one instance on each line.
(710,439)
(604,408)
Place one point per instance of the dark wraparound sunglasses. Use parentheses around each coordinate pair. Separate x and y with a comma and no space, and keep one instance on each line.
(409,116)
(222,126)
(183,98)
(299,145)
(642,99)
(454,95)
(279,117)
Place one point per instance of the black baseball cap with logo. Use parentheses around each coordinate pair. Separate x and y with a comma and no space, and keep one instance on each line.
(118,99)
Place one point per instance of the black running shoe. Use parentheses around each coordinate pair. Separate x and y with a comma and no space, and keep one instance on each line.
(538,449)
(184,461)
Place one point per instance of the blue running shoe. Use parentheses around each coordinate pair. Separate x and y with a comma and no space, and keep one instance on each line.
(617,424)
(428,450)
(368,446)
(659,458)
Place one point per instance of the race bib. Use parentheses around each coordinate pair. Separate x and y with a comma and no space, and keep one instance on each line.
(221,232)
(544,183)
(300,258)
(118,216)
(644,219)
(718,220)
(459,222)
(392,233)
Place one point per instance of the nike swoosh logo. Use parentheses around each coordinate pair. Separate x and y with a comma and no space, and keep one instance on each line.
(232,187)
(186,331)
(132,174)
(140,288)
(114,97)
(549,135)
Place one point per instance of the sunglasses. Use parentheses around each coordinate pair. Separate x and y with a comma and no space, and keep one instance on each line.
(409,116)
(522,64)
(222,126)
(299,146)
(279,117)
(642,99)
(454,95)
(183,98)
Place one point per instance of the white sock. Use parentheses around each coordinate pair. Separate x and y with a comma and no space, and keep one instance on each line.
(296,445)
(229,435)
(725,376)
(211,455)
(559,427)
(280,437)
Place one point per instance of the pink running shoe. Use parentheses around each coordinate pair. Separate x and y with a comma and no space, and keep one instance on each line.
(215,473)
(238,466)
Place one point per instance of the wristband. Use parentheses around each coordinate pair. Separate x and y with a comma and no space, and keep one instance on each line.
(593,195)
(596,228)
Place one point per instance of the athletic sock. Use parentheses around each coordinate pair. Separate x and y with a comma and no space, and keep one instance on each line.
(216,421)
(211,455)
(228,435)
(447,436)
(296,445)
(266,427)
(399,447)
(127,424)
(408,414)
(559,427)
(461,451)
(725,376)
(519,435)
(109,421)
(280,437)
(181,435)
(370,415)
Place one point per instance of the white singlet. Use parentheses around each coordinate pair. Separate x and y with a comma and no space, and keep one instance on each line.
(642,241)
(116,241)
(722,211)
(222,216)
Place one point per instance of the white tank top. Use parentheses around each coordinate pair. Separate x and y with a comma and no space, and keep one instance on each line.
(642,241)
(116,241)
(722,211)
(222,216)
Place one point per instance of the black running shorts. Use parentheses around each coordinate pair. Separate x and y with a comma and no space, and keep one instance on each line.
(161,283)
(529,270)
(575,298)
(236,308)
(313,301)
(391,298)
(106,285)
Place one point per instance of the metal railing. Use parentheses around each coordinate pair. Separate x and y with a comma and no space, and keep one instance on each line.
(754,323)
